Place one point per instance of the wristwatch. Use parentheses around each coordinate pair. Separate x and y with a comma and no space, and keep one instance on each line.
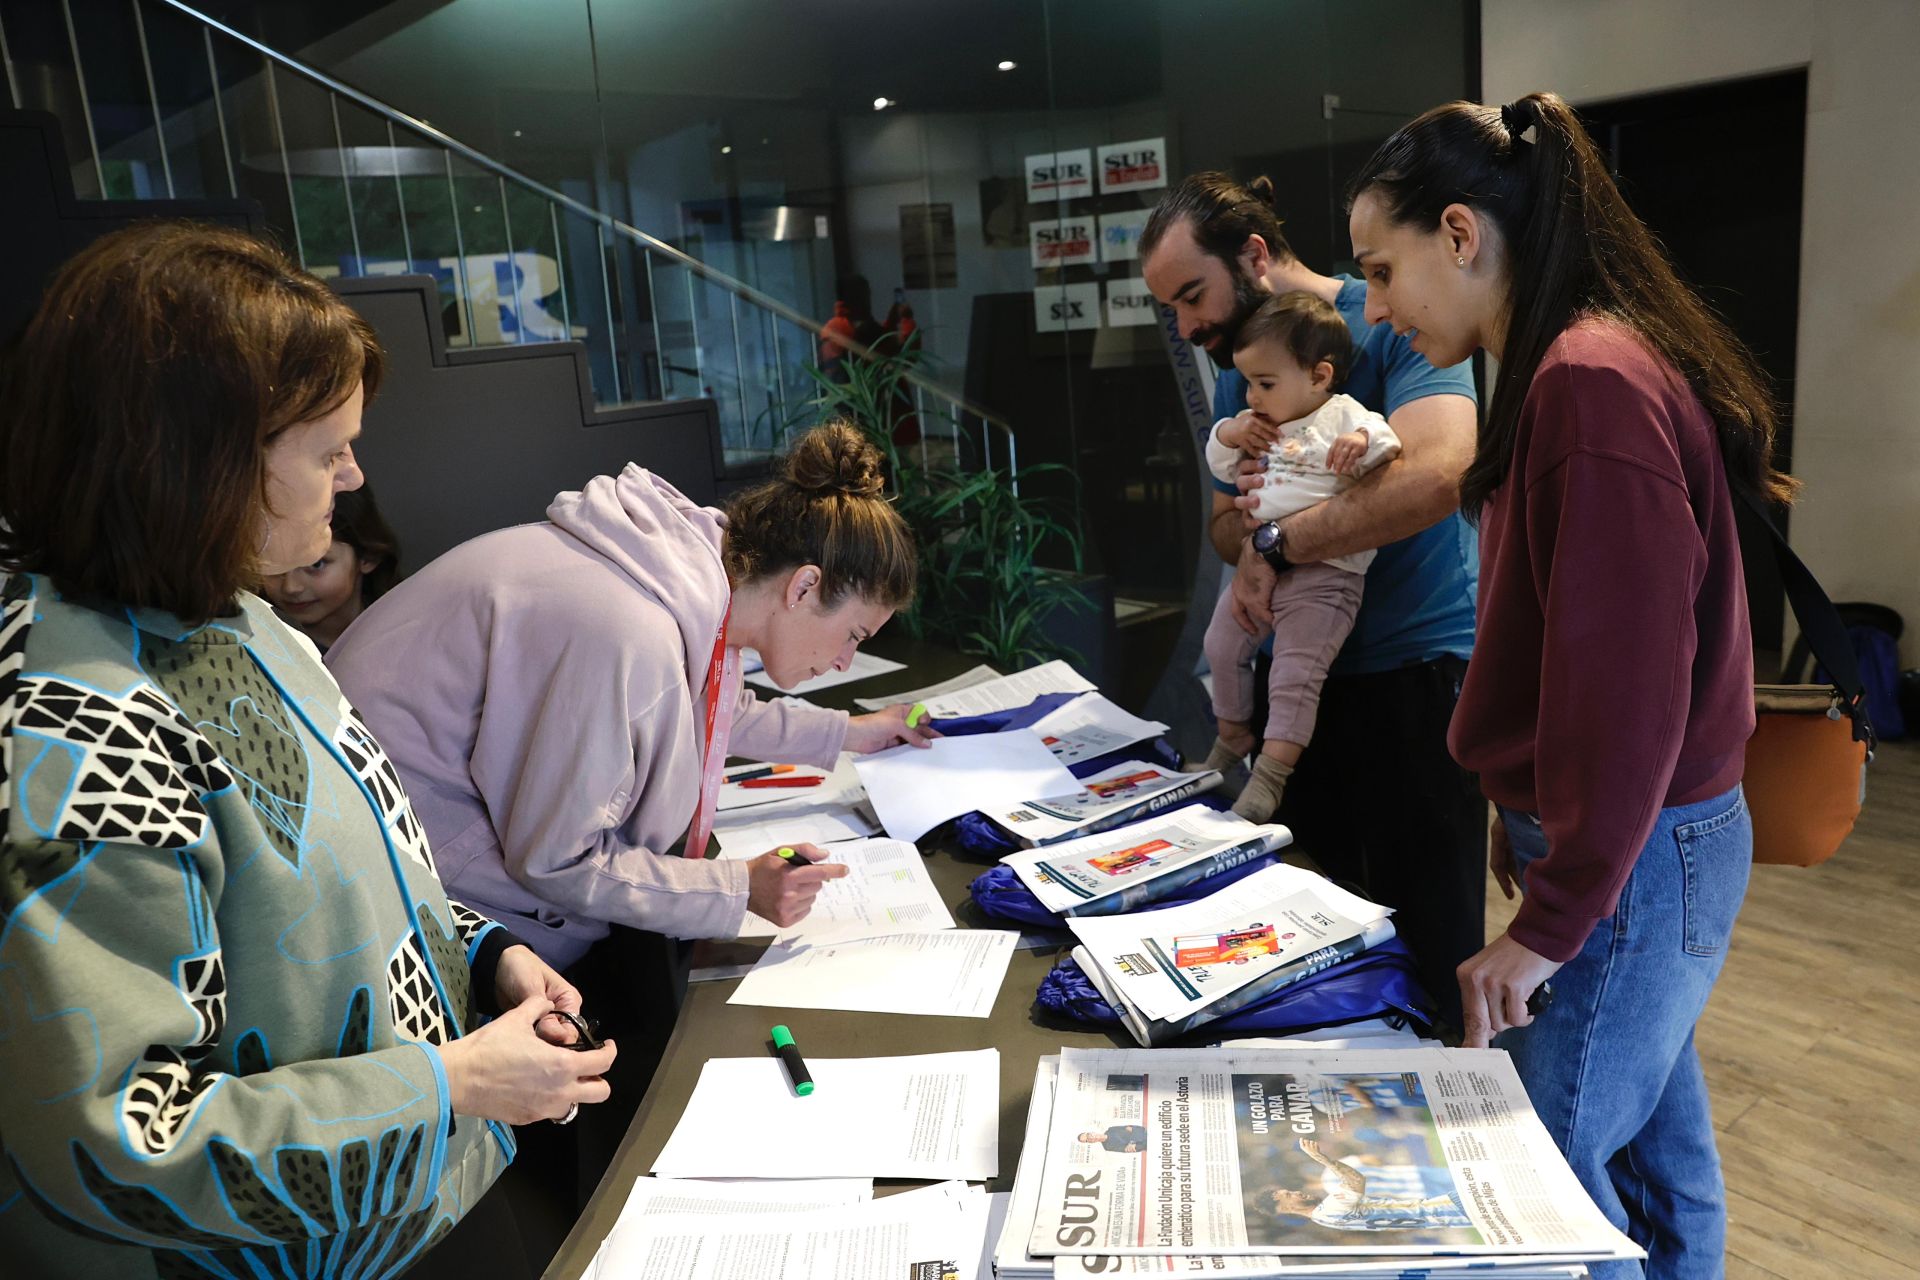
(1270,542)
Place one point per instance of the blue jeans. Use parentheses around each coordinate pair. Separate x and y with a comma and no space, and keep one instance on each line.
(1610,1064)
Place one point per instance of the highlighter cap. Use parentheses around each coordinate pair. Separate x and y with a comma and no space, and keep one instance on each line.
(782,1038)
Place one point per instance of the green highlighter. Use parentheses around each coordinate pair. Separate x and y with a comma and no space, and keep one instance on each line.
(796,1065)
(915,715)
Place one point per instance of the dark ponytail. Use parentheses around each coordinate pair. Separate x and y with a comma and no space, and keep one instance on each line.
(1572,246)
(827,508)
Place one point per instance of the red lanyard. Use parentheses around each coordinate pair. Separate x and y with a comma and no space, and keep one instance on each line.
(722,681)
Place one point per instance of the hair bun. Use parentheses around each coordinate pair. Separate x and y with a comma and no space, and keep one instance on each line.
(836,458)
(1261,189)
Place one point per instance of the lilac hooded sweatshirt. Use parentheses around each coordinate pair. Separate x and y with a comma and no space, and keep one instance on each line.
(542,690)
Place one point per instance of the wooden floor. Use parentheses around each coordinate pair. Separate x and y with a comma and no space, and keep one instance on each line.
(1812,1052)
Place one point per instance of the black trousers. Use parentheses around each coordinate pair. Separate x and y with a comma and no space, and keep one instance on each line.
(631,985)
(1377,802)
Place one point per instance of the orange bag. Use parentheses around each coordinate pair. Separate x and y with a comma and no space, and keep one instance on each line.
(1806,773)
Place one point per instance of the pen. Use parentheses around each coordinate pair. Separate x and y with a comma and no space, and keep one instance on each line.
(790,1054)
(915,715)
(782,782)
(759,771)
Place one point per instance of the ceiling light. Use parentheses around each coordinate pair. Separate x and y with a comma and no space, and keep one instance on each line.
(516,133)
(726,151)
(881,104)
(1007,64)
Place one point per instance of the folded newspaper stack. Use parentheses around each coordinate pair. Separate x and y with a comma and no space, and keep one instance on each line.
(1293,1162)
(1166,972)
(1122,870)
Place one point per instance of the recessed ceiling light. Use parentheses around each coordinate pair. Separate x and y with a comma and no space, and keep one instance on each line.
(1007,64)
(516,133)
(881,104)
(726,151)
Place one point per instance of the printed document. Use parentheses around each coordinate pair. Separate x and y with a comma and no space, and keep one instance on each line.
(956,973)
(838,785)
(886,890)
(932,1115)
(760,830)
(1007,692)
(1091,726)
(965,680)
(915,789)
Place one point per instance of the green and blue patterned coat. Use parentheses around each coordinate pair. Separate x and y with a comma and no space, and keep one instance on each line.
(225,962)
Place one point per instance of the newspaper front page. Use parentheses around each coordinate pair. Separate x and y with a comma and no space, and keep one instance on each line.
(1433,1152)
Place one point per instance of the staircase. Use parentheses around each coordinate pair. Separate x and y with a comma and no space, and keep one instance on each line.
(160,101)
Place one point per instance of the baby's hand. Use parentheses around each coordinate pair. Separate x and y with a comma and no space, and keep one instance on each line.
(1344,454)
(1257,435)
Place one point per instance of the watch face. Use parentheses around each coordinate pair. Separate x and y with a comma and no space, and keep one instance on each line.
(1264,537)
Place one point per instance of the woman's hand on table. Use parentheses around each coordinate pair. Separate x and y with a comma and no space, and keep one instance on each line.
(887,727)
(506,1071)
(783,893)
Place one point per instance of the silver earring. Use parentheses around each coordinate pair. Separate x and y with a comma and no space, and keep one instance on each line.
(1460,262)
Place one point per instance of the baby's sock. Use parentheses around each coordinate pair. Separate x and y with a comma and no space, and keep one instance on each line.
(1223,757)
(1260,798)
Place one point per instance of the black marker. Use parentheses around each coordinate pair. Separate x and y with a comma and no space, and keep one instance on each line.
(796,1065)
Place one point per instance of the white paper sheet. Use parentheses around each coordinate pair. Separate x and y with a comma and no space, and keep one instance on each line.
(1016,690)
(1091,726)
(956,973)
(862,666)
(915,789)
(840,785)
(769,829)
(895,1238)
(886,890)
(965,680)
(931,1115)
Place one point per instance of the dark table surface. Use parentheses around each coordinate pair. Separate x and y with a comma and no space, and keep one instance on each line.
(709,1027)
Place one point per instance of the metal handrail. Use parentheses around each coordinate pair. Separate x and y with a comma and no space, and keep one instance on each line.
(648,243)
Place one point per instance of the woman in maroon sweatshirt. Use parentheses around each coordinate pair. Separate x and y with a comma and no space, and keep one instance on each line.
(1610,696)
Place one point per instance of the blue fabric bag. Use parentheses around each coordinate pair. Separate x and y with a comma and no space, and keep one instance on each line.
(1376,983)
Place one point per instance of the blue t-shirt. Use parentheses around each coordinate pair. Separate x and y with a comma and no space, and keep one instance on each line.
(1420,591)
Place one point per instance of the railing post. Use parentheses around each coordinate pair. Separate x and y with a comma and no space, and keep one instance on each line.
(153,96)
(346,185)
(463,276)
(220,112)
(560,269)
(286,165)
(513,269)
(86,106)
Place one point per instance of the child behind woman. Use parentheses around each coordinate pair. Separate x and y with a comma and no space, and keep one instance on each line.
(1295,352)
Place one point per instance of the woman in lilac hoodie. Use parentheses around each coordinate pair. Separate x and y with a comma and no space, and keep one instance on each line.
(543,689)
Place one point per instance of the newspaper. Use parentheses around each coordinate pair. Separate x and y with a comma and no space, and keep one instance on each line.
(1430,1152)
(1173,962)
(1123,869)
(1012,1261)
(1108,799)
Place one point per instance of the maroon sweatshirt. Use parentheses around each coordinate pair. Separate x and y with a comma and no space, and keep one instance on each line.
(1612,670)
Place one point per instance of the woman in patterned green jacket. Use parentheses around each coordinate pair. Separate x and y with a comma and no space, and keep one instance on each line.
(241,1027)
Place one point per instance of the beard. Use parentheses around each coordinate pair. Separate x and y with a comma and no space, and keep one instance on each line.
(1247,297)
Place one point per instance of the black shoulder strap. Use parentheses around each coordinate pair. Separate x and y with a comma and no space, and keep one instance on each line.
(1820,623)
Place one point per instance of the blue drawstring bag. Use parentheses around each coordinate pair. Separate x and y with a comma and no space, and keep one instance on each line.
(999,892)
(1378,982)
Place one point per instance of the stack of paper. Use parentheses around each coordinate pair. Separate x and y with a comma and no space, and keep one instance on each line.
(1090,726)
(1003,693)
(965,680)
(954,973)
(933,1115)
(915,789)
(1124,793)
(1168,971)
(932,1232)
(886,890)
(1122,870)
(1293,1162)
